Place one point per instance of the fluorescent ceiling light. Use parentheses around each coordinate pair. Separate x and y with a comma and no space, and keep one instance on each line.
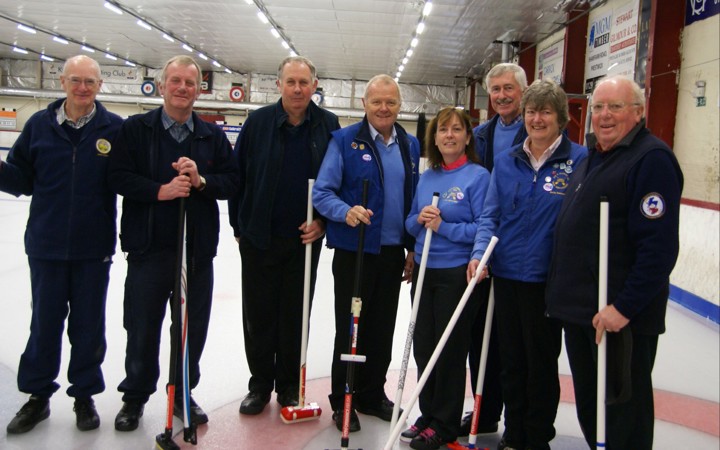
(405,60)
(275,33)
(409,52)
(249,2)
(216,64)
(20,50)
(292,53)
(420,28)
(26,29)
(144,25)
(46,58)
(397,75)
(109,56)
(201,55)
(401,68)
(128,63)
(168,38)
(285,45)
(187,47)
(262,17)
(87,49)
(414,42)
(228,70)
(60,40)
(427,8)
(113,8)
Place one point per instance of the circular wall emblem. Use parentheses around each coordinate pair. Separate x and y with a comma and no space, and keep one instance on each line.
(148,88)
(237,94)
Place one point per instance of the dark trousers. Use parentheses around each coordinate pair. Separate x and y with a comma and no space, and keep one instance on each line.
(149,285)
(529,348)
(442,398)
(629,424)
(492,401)
(75,290)
(380,289)
(272,296)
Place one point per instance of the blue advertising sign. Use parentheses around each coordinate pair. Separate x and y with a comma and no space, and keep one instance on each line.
(700,9)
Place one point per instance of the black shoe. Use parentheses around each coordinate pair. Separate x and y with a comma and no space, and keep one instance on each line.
(33,412)
(410,434)
(383,410)
(85,414)
(197,415)
(288,398)
(354,420)
(129,416)
(428,439)
(466,423)
(505,446)
(254,403)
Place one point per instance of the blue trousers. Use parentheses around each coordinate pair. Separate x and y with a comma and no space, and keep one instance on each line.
(76,290)
(148,287)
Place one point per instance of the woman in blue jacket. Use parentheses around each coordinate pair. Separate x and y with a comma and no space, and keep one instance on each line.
(455,173)
(526,190)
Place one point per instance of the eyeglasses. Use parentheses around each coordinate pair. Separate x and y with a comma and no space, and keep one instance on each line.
(89,82)
(615,107)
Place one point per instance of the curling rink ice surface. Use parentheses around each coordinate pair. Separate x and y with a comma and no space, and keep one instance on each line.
(686,372)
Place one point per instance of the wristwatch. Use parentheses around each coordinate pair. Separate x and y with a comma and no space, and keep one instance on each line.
(202,183)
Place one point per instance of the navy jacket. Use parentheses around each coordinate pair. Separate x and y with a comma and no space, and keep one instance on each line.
(72,211)
(484,139)
(134,175)
(642,182)
(259,153)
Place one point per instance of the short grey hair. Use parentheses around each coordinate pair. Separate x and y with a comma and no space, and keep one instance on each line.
(300,60)
(79,58)
(502,69)
(382,79)
(181,60)
(546,93)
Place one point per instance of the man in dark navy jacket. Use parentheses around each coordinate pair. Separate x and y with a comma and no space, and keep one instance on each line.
(164,155)
(280,147)
(642,181)
(61,159)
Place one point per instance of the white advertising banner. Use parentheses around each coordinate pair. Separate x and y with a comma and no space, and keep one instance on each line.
(551,62)
(623,40)
(598,47)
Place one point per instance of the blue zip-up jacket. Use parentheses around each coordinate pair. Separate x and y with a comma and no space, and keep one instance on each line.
(72,211)
(520,209)
(259,152)
(134,167)
(484,138)
(353,157)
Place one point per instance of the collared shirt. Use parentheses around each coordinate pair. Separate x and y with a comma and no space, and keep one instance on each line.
(81,122)
(179,131)
(375,133)
(512,122)
(537,163)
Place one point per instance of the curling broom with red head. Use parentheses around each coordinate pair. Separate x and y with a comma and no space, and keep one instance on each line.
(303,412)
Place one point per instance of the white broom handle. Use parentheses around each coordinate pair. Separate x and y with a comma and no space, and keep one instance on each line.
(472,438)
(306,298)
(602,303)
(413,318)
(441,344)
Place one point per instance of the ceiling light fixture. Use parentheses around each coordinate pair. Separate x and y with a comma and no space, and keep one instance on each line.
(26,29)
(128,63)
(144,24)
(216,64)
(46,58)
(420,28)
(275,33)
(166,37)
(187,47)
(60,40)
(113,8)
(414,42)
(262,17)
(201,55)
(109,56)
(427,8)
(20,50)
(87,49)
